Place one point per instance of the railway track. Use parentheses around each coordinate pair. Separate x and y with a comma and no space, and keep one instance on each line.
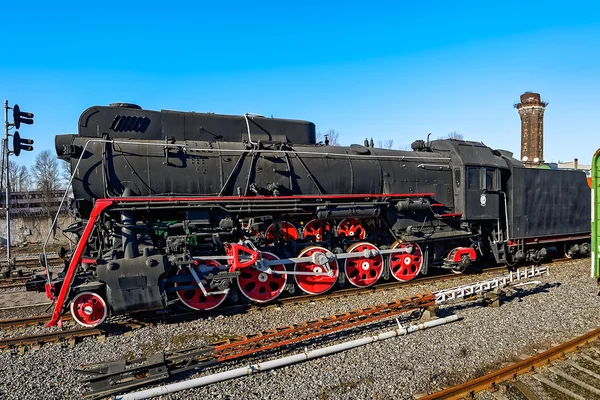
(237,308)
(33,341)
(69,335)
(14,323)
(20,276)
(228,310)
(571,378)
(32,262)
(7,283)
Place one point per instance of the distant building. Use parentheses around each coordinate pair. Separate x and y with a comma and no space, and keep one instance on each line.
(575,165)
(33,203)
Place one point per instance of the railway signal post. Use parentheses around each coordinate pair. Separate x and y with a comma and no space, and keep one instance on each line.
(19,144)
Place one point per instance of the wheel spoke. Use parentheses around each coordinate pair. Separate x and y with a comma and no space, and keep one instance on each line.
(288,232)
(315,230)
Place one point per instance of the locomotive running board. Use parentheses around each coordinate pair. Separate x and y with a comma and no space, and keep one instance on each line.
(113,377)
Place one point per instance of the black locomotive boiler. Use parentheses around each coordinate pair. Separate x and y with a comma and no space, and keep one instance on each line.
(197,208)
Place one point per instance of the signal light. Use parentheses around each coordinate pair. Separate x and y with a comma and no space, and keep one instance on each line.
(21,144)
(21,117)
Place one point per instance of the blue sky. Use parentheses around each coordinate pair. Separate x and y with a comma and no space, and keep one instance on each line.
(385,70)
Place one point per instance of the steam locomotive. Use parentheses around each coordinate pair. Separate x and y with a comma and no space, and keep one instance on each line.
(196,208)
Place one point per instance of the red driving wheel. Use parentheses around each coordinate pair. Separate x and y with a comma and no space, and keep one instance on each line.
(406,266)
(315,284)
(363,271)
(351,227)
(260,286)
(288,232)
(194,298)
(315,229)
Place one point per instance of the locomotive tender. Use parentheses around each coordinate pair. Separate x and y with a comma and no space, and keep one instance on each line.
(196,208)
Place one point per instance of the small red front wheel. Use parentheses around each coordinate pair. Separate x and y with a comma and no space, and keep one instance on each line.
(89,309)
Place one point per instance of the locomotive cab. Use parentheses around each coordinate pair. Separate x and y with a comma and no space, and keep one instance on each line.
(479,195)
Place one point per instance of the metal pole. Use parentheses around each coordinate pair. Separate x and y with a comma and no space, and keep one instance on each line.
(596,216)
(7,181)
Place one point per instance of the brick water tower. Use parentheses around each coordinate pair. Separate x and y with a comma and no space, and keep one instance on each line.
(531,110)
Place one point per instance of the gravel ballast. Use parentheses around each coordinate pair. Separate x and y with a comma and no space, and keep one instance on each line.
(530,320)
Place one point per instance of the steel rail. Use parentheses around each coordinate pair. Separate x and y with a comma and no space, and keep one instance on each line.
(31,305)
(33,262)
(493,379)
(70,334)
(30,340)
(13,323)
(6,283)
(236,308)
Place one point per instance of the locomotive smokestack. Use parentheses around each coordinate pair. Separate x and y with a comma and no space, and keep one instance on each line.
(531,110)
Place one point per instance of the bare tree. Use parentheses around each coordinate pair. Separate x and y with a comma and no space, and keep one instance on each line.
(65,171)
(19,177)
(331,135)
(46,175)
(453,135)
(45,171)
(385,144)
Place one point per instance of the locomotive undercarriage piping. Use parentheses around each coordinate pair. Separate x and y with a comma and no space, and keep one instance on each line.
(130,205)
(536,249)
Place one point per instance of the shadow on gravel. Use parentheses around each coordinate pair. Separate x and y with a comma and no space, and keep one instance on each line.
(511,294)
(516,294)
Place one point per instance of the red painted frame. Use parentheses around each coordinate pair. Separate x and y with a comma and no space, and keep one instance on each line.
(102,204)
(461,251)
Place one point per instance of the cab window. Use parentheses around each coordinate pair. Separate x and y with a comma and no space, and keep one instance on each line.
(491,179)
(473,178)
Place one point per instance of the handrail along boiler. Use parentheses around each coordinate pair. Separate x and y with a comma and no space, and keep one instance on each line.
(194,208)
